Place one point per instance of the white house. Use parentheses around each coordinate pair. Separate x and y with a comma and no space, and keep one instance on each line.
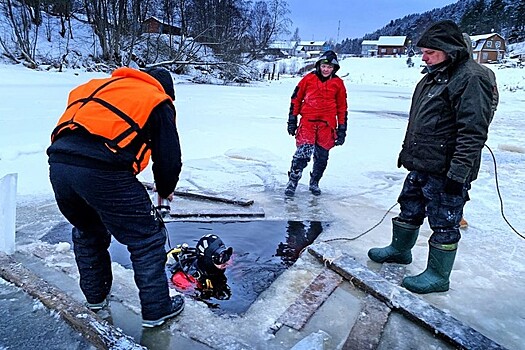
(311,48)
(369,48)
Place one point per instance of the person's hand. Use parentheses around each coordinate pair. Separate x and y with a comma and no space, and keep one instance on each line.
(223,293)
(453,187)
(341,136)
(292,124)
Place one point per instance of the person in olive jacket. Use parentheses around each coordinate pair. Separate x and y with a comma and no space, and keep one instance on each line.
(447,129)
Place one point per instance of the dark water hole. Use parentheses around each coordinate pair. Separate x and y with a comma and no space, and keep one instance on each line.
(262,251)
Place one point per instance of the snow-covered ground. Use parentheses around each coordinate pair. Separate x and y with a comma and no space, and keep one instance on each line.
(234,141)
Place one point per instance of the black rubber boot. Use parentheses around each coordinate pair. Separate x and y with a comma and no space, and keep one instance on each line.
(404,238)
(293,180)
(436,277)
(314,185)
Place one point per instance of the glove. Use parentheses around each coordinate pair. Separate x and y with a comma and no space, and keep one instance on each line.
(453,187)
(292,124)
(341,135)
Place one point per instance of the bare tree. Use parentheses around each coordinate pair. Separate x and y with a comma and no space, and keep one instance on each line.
(112,20)
(220,24)
(24,21)
(268,19)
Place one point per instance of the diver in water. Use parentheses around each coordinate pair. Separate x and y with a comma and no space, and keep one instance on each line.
(200,270)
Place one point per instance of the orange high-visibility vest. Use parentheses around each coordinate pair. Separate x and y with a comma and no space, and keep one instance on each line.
(116,109)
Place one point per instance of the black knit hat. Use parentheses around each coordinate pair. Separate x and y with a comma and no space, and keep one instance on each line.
(163,76)
(328,57)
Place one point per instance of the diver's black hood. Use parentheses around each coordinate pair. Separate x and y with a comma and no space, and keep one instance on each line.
(210,249)
(445,36)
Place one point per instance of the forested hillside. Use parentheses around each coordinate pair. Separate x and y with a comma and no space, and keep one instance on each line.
(506,17)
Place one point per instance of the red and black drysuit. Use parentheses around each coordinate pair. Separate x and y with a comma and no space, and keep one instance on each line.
(194,272)
(322,104)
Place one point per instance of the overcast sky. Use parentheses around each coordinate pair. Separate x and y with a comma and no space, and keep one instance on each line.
(319,20)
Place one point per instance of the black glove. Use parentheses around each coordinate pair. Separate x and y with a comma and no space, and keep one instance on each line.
(453,187)
(341,135)
(292,124)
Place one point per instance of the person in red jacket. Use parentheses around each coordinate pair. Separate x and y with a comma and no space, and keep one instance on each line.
(320,99)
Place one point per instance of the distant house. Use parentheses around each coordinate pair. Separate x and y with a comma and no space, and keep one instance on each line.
(312,48)
(155,25)
(488,47)
(369,48)
(519,55)
(282,48)
(391,45)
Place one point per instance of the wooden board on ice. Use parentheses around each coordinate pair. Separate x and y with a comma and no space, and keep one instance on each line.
(413,307)
(298,314)
(179,213)
(209,196)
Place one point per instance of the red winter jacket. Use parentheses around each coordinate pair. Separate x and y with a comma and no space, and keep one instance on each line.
(322,106)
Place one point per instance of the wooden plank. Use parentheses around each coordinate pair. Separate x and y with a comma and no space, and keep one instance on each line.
(298,313)
(214,197)
(408,304)
(214,213)
(368,328)
(97,331)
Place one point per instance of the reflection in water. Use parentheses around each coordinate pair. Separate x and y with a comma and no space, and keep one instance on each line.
(298,237)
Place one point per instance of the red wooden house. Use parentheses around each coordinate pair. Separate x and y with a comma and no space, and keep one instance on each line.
(488,47)
(391,45)
(155,25)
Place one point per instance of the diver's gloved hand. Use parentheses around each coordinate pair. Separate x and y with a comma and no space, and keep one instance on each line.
(223,293)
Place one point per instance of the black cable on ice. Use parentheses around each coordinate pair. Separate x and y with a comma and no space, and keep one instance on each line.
(363,233)
(499,194)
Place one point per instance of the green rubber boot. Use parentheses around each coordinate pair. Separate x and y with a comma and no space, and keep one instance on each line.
(436,276)
(404,237)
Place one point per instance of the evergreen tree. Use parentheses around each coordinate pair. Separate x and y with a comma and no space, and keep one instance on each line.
(296,36)
(473,21)
(496,15)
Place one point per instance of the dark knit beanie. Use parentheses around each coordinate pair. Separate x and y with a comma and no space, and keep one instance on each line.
(163,76)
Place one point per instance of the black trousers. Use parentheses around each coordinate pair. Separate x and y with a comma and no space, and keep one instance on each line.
(302,156)
(423,196)
(101,203)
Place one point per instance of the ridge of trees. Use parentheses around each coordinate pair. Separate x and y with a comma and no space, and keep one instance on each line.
(505,17)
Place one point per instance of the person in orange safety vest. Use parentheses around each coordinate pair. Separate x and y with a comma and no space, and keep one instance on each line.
(106,136)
